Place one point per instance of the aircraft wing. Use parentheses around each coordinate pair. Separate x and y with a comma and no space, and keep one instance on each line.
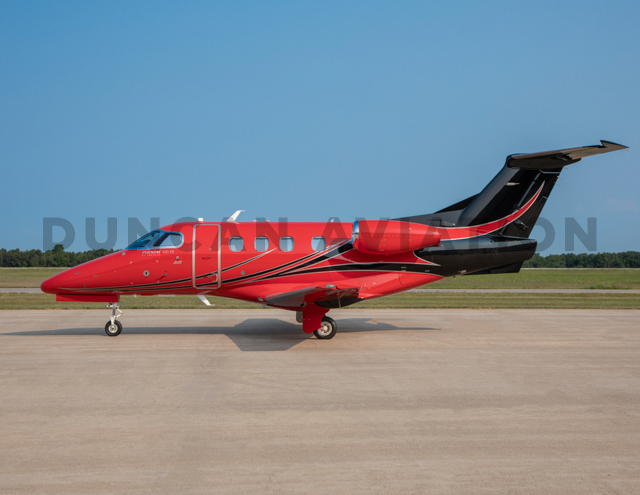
(330,295)
(560,158)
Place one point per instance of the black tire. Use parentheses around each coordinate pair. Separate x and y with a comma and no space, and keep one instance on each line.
(328,330)
(110,331)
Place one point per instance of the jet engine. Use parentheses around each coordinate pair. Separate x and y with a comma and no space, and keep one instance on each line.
(388,237)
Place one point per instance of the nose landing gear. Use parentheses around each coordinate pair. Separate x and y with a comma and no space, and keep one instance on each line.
(113,326)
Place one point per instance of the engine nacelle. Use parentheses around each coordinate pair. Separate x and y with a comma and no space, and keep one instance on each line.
(392,236)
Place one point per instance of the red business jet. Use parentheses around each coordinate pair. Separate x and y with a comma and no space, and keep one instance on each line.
(312,268)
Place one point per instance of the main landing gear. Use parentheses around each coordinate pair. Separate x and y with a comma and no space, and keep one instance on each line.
(327,330)
(113,326)
(314,320)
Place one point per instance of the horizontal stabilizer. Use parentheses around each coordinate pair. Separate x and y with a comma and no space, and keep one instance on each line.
(559,158)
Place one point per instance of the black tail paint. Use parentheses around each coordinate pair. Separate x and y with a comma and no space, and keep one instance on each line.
(519,180)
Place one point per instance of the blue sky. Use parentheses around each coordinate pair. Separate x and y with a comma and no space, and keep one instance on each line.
(310,110)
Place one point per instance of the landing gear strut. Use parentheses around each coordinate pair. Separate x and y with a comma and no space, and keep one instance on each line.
(327,330)
(113,326)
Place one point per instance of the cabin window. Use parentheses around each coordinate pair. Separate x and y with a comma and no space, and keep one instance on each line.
(286,243)
(169,240)
(236,244)
(261,244)
(318,244)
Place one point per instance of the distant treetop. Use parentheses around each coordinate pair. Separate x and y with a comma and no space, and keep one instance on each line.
(58,257)
(627,259)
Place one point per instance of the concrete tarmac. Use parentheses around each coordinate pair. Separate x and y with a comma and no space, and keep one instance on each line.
(400,401)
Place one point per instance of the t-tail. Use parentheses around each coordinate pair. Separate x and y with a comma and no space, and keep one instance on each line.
(503,214)
(523,177)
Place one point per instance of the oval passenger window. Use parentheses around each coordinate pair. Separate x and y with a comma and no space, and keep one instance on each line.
(318,244)
(286,243)
(261,244)
(236,244)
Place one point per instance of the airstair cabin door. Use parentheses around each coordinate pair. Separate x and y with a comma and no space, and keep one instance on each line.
(206,256)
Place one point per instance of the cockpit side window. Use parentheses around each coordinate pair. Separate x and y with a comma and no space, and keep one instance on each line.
(158,239)
(169,240)
(145,240)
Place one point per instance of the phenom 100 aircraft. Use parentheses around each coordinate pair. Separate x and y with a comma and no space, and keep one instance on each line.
(312,268)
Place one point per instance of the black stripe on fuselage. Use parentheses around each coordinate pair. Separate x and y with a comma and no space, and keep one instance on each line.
(365,267)
(330,254)
(242,263)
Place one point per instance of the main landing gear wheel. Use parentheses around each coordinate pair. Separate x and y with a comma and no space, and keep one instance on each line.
(327,330)
(113,329)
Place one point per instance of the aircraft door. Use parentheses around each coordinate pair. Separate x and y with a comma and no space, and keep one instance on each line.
(206,256)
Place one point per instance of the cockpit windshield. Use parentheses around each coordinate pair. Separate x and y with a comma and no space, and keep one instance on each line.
(158,239)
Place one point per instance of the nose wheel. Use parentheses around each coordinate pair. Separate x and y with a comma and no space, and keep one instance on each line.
(113,329)
(113,326)
(327,330)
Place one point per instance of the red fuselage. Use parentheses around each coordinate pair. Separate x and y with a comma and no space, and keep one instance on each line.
(271,258)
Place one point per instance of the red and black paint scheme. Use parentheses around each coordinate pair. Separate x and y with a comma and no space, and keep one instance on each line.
(311,267)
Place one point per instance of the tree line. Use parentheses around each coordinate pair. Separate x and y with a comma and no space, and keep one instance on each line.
(626,259)
(58,257)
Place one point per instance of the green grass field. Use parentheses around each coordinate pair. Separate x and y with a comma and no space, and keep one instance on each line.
(48,301)
(26,277)
(547,278)
(405,300)
(541,278)
(526,279)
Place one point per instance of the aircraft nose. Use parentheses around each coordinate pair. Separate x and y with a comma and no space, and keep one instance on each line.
(51,284)
(55,284)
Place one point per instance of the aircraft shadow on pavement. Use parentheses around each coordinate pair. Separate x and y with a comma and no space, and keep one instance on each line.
(252,334)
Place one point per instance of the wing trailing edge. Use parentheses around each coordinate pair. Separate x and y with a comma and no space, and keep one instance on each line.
(328,296)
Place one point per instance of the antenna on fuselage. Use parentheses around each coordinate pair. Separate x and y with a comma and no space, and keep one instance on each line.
(234,217)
